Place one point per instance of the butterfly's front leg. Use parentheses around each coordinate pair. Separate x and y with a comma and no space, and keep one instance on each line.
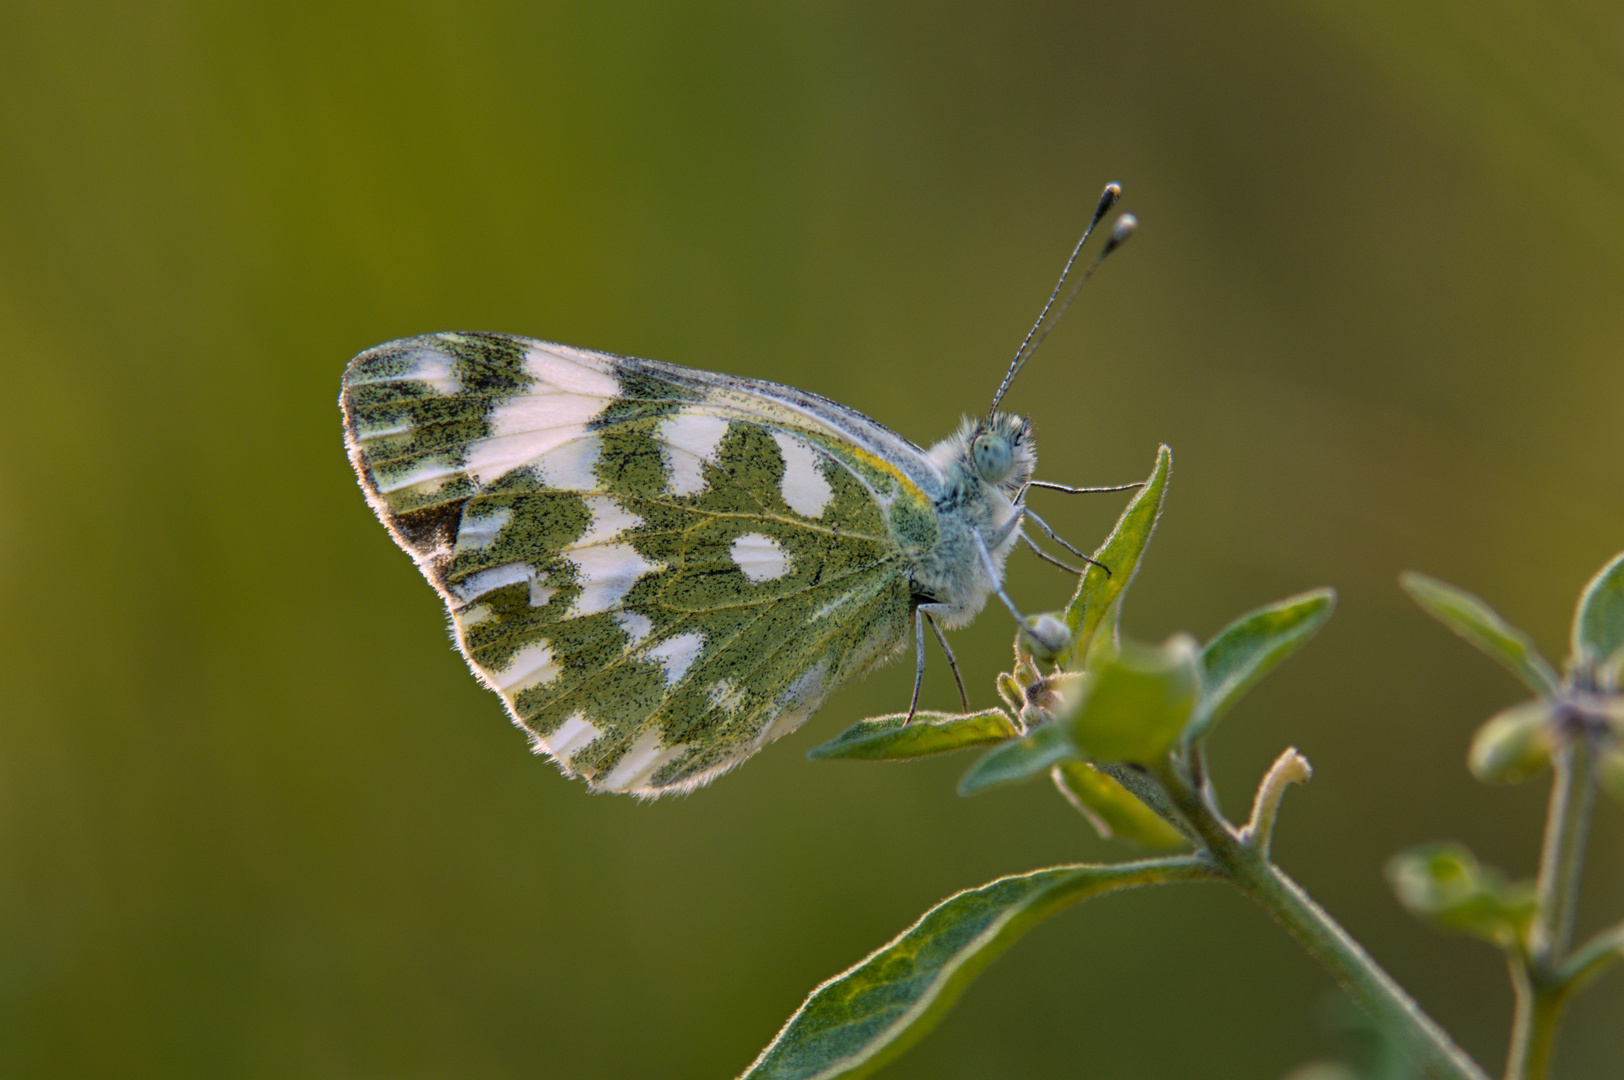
(1050,533)
(1020,502)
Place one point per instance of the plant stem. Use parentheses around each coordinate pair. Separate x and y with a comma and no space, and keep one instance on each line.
(1542,992)
(1289,768)
(1593,957)
(1533,1025)
(1567,824)
(1371,988)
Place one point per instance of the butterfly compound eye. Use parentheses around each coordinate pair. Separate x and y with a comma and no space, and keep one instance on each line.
(993,457)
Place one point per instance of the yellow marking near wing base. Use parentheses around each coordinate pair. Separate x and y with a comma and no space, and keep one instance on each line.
(889,469)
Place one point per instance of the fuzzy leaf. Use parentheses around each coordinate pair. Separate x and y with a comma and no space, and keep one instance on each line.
(888,738)
(1137,703)
(1475,621)
(868,1015)
(1092,613)
(1113,810)
(1250,647)
(1445,885)
(1598,624)
(1018,759)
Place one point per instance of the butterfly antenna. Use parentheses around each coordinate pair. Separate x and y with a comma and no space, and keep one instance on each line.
(1120,232)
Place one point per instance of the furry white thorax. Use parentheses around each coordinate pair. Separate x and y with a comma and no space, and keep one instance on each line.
(970,505)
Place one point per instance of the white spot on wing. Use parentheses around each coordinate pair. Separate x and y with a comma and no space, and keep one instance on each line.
(798,702)
(804,487)
(606,573)
(809,687)
(426,479)
(540,594)
(642,760)
(545,421)
(476,585)
(560,374)
(636,626)
(689,439)
(725,696)
(760,557)
(569,467)
(368,430)
(531,666)
(480,532)
(571,736)
(677,654)
(609,520)
(435,368)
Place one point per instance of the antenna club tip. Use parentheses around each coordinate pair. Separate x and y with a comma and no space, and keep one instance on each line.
(1124,227)
(1108,198)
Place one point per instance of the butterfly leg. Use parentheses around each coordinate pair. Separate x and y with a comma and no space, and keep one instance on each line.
(1083,490)
(919,662)
(997,579)
(1050,533)
(1046,557)
(952,661)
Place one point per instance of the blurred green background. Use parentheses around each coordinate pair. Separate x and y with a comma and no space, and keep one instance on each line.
(256,818)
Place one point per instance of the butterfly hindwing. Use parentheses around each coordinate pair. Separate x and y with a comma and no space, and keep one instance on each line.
(660,570)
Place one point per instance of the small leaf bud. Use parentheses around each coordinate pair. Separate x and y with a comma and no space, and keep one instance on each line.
(1515,745)
(1046,638)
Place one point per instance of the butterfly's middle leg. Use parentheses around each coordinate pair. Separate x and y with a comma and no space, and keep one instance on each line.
(922,614)
(952,661)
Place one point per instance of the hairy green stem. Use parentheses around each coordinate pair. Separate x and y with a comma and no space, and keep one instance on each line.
(1542,989)
(1371,988)
(1567,825)
(1534,1022)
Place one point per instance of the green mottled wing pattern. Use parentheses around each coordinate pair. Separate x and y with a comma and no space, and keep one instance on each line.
(659,570)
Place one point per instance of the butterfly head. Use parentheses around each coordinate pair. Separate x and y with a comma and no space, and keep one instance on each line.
(1001,451)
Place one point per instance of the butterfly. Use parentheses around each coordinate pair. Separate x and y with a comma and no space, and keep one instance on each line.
(661,569)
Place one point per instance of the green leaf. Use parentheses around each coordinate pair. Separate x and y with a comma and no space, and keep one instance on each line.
(868,1015)
(1136,704)
(1475,621)
(1143,787)
(888,738)
(1250,647)
(1598,624)
(1018,759)
(1113,810)
(1514,745)
(1092,613)
(1610,675)
(1445,885)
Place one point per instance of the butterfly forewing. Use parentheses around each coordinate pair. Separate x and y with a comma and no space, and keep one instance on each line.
(660,570)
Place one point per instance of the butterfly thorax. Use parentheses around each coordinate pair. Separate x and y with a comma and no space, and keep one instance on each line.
(984,465)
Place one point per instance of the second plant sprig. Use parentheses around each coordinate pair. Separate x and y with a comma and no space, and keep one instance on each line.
(1573,726)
